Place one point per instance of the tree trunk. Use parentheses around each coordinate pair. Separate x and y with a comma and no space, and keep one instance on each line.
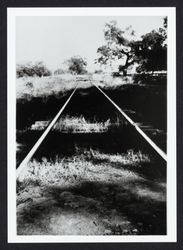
(124,72)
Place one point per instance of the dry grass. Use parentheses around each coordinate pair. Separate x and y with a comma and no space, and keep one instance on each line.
(44,86)
(28,87)
(107,81)
(91,165)
(71,124)
(131,158)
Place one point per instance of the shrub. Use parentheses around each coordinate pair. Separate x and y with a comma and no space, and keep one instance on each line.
(77,65)
(30,69)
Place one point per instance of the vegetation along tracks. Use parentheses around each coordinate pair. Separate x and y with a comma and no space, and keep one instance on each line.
(40,140)
(156,148)
(23,164)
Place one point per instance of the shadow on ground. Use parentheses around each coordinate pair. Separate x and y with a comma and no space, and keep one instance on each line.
(93,208)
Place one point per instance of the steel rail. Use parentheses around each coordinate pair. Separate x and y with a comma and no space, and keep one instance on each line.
(23,164)
(140,131)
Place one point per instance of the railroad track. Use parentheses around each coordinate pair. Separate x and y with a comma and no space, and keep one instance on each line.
(22,167)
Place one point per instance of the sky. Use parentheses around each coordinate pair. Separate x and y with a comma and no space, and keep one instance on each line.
(55,39)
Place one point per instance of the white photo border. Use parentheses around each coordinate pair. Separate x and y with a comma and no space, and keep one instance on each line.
(170,12)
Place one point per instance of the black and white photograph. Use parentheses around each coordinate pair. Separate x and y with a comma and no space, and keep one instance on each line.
(92,152)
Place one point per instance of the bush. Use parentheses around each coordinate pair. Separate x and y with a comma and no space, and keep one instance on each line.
(77,65)
(29,69)
(59,72)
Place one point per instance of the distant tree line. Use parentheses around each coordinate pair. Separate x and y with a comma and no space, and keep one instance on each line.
(75,65)
(30,69)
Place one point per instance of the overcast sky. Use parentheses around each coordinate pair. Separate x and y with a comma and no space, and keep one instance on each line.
(55,39)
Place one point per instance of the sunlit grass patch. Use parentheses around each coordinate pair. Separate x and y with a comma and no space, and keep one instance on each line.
(28,87)
(131,158)
(72,124)
(80,125)
(81,167)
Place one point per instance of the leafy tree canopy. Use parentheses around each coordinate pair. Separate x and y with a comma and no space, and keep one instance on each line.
(77,65)
(119,45)
(150,52)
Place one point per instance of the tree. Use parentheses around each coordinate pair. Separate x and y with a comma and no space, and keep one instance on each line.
(152,51)
(29,69)
(153,54)
(59,71)
(77,65)
(118,46)
(40,69)
(149,52)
